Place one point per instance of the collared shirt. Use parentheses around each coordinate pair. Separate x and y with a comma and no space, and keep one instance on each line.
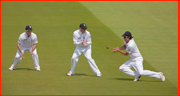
(27,41)
(78,38)
(132,49)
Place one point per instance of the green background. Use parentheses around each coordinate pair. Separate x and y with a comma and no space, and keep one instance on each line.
(153,24)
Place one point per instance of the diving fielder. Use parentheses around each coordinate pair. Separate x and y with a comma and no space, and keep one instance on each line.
(27,42)
(136,60)
(82,39)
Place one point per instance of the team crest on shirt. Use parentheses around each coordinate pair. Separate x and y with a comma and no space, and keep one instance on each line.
(83,37)
(24,39)
(79,38)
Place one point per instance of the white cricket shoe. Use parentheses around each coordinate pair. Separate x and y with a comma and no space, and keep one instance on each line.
(70,74)
(99,74)
(137,78)
(38,69)
(162,76)
(11,68)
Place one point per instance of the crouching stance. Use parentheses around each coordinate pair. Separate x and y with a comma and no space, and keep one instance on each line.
(136,60)
(82,39)
(27,42)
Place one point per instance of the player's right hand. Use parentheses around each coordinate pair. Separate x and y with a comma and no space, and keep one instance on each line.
(22,55)
(84,42)
(115,49)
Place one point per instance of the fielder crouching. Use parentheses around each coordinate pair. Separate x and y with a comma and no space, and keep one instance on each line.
(136,60)
(82,39)
(27,42)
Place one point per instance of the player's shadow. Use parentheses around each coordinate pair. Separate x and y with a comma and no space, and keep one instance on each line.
(128,79)
(79,74)
(125,79)
(28,69)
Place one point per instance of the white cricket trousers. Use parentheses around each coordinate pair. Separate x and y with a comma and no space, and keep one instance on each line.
(18,58)
(87,53)
(138,66)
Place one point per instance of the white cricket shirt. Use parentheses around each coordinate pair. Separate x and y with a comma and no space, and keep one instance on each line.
(27,41)
(78,38)
(132,49)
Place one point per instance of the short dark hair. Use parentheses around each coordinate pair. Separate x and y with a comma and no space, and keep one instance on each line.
(131,37)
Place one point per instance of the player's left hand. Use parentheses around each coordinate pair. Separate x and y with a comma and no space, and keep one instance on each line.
(31,52)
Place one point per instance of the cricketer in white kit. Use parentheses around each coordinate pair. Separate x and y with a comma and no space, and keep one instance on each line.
(136,60)
(82,39)
(27,42)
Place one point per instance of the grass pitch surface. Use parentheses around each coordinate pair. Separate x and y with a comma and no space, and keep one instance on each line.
(54,23)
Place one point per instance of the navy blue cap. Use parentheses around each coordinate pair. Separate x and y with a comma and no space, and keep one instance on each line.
(83,25)
(28,27)
(127,33)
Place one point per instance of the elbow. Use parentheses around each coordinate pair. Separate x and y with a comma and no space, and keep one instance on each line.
(34,45)
(18,44)
(75,44)
(126,54)
(89,43)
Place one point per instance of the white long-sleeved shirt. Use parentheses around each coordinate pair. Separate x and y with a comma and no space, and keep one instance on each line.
(27,41)
(78,38)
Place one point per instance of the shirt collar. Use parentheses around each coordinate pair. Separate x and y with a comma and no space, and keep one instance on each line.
(130,41)
(81,32)
(27,35)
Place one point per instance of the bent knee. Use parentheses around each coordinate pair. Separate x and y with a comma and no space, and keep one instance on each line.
(141,73)
(90,59)
(18,56)
(121,68)
(74,58)
(34,54)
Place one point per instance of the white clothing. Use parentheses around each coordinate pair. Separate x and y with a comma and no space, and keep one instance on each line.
(132,49)
(26,45)
(27,41)
(138,66)
(136,62)
(78,37)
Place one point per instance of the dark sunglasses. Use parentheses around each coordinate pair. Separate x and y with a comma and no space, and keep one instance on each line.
(125,36)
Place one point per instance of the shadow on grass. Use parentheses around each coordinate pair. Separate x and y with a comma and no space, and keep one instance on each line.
(125,79)
(79,74)
(29,69)
(128,79)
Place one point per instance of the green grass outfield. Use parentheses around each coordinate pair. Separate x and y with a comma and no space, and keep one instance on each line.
(154,26)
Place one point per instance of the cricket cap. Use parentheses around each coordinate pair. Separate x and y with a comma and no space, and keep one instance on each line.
(127,33)
(83,25)
(28,27)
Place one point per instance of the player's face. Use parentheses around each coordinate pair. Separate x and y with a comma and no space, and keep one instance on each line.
(28,32)
(126,38)
(82,30)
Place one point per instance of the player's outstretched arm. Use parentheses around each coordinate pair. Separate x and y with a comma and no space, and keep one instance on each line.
(124,53)
(123,47)
(119,48)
